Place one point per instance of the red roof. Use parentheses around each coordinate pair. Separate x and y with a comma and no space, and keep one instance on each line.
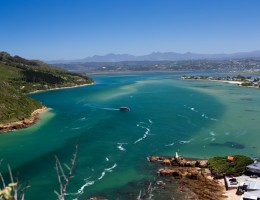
(230,158)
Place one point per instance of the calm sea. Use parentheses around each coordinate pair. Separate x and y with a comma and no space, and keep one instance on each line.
(194,118)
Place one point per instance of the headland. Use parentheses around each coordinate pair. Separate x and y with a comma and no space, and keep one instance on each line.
(23,123)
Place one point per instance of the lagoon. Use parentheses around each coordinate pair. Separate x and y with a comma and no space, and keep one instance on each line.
(195,118)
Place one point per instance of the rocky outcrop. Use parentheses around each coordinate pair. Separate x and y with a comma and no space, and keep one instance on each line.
(190,177)
(179,161)
(153,158)
(24,123)
(179,172)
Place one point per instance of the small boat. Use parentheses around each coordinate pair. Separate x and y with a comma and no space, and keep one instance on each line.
(124,108)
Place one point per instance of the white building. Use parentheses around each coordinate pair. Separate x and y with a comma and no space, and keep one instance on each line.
(254,168)
(252,190)
(253,195)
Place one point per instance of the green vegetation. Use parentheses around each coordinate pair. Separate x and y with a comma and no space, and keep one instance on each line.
(245,84)
(14,105)
(220,166)
(19,76)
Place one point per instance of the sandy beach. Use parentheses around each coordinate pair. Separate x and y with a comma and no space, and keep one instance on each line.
(231,82)
(222,81)
(61,88)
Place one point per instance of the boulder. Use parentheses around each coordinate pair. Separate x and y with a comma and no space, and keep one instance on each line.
(166,162)
(152,158)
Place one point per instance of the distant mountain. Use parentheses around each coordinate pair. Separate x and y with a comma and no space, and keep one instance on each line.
(158,56)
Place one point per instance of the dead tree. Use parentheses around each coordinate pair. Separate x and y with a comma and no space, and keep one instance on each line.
(63,177)
(13,190)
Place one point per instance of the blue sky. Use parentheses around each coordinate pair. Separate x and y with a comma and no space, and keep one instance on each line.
(71,29)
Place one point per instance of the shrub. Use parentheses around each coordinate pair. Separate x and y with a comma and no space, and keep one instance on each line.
(220,166)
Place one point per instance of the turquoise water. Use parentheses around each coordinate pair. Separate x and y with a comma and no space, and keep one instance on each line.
(195,118)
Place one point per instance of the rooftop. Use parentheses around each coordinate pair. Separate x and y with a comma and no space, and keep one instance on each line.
(253,185)
(254,165)
(251,195)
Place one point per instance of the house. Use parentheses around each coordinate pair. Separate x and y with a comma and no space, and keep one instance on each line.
(254,168)
(252,185)
(252,190)
(255,195)
(230,158)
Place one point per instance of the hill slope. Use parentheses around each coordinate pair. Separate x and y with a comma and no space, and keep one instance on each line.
(19,76)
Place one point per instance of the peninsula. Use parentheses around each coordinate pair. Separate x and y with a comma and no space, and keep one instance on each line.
(18,77)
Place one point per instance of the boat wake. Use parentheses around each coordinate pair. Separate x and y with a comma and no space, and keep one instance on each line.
(111,109)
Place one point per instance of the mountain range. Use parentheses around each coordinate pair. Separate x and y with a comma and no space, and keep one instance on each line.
(158,56)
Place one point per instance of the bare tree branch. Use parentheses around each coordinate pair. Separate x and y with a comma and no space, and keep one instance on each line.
(23,191)
(13,190)
(2,179)
(1,176)
(64,179)
(59,178)
(14,186)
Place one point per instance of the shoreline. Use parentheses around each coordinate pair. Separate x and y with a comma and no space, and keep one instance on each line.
(221,81)
(230,82)
(237,83)
(60,88)
(24,123)
(191,177)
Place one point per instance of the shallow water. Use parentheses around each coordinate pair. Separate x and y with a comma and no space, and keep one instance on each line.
(195,118)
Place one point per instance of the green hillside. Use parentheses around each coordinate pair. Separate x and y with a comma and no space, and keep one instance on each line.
(19,76)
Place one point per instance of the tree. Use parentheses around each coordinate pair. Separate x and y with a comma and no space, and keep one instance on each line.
(221,166)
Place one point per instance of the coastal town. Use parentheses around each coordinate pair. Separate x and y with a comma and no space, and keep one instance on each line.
(239,80)
(248,65)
